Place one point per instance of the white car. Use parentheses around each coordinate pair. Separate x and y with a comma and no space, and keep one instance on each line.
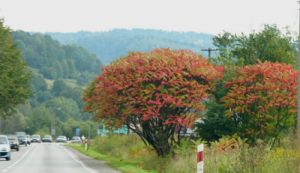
(61,139)
(76,139)
(4,147)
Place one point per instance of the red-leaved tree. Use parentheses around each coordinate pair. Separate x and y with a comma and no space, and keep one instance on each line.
(153,93)
(262,100)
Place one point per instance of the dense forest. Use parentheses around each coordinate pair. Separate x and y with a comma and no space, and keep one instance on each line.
(56,61)
(59,75)
(111,45)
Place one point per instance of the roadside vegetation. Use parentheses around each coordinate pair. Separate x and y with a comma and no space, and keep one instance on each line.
(229,155)
(247,112)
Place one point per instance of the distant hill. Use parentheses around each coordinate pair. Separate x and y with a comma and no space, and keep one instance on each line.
(56,61)
(57,70)
(59,75)
(111,45)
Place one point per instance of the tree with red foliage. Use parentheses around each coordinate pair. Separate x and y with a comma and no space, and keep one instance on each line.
(262,100)
(154,93)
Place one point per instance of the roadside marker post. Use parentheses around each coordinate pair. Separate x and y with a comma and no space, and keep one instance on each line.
(200,158)
(86,146)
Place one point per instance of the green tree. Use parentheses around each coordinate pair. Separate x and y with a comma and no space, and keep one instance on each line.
(61,89)
(13,123)
(14,75)
(268,45)
(40,118)
(63,108)
(215,124)
(38,83)
(59,86)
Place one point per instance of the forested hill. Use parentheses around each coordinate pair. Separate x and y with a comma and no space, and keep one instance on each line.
(57,70)
(116,43)
(56,61)
(59,75)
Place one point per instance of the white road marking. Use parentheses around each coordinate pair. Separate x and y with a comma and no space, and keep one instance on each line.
(78,161)
(19,160)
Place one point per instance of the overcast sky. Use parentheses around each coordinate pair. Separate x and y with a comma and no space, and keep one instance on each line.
(209,16)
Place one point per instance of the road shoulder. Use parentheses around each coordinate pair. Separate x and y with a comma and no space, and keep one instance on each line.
(91,163)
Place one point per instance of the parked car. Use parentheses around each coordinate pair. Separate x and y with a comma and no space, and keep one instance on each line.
(75,139)
(14,142)
(4,147)
(61,139)
(47,138)
(36,138)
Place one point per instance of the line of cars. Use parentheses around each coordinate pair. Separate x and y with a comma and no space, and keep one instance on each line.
(9,142)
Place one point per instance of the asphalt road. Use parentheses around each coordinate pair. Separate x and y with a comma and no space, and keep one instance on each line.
(51,158)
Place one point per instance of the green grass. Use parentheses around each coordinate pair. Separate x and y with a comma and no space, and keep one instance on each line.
(230,155)
(125,166)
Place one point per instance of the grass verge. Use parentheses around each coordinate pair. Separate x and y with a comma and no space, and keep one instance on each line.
(229,155)
(124,166)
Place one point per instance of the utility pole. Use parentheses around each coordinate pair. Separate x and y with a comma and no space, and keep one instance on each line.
(209,50)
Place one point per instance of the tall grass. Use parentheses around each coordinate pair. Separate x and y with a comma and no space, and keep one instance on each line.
(229,155)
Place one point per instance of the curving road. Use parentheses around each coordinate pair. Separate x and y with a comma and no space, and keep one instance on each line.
(52,158)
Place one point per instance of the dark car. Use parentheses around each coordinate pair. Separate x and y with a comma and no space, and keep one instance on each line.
(22,137)
(14,142)
(22,140)
(61,139)
(47,138)
(36,138)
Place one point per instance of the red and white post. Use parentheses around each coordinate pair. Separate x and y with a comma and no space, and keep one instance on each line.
(200,158)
